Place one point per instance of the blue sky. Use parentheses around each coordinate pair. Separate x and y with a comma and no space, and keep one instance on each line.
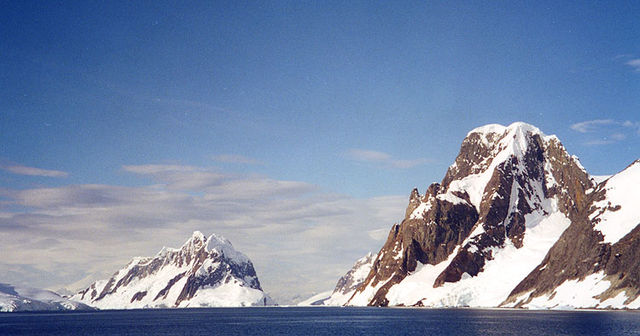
(350,103)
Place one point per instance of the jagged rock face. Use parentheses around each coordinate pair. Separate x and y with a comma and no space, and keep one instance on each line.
(504,183)
(598,252)
(428,239)
(518,185)
(203,272)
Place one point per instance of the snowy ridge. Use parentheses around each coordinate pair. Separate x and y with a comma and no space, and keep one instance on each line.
(346,285)
(223,247)
(204,272)
(577,293)
(619,211)
(20,298)
(612,281)
(349,283)
(316,300)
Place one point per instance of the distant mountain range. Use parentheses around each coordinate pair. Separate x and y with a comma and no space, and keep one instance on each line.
(515,222)
(20,298)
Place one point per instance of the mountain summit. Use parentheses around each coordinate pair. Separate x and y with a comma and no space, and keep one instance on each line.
(514,219)
(204,272)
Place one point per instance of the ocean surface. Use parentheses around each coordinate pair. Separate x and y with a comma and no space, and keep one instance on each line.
(322,321)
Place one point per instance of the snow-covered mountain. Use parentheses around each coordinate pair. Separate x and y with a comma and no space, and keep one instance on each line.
(204,272)
(21,298)
(350,282)
(346,286)
(316,299)
(516,221)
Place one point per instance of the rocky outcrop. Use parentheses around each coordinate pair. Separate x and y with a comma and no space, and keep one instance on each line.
(204,272)
(494,228)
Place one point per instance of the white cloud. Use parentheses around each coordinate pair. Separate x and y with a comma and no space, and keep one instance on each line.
(368,155)
(158,168)
(635,64)
(606,131)
(404,164)
(597,142)
(32,171)
(591,125)
(378,234)
(383,159)
(233,158)
(299,238)
(618,136)
(180,177)
(632,125)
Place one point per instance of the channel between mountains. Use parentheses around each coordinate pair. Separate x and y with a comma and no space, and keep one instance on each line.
(515,222)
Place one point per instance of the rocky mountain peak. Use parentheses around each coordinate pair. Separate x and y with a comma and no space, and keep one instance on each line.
(487,147)
(220,245)
(503,183)
(414,201)
(197,241)
(499,130)
(414,197)
(197,237)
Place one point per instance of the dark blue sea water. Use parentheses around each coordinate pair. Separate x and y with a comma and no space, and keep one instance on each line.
(322,321)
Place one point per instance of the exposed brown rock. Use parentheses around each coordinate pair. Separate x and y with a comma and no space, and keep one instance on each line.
(138,296)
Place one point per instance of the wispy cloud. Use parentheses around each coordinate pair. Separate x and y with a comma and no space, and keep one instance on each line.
(384,159)
(618,136)
(32,171)
(175,177)
(606,131)
(635,64)
(632,125)
(299,238)
(591,125)
(234,158)
(598,142)
(369,155)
